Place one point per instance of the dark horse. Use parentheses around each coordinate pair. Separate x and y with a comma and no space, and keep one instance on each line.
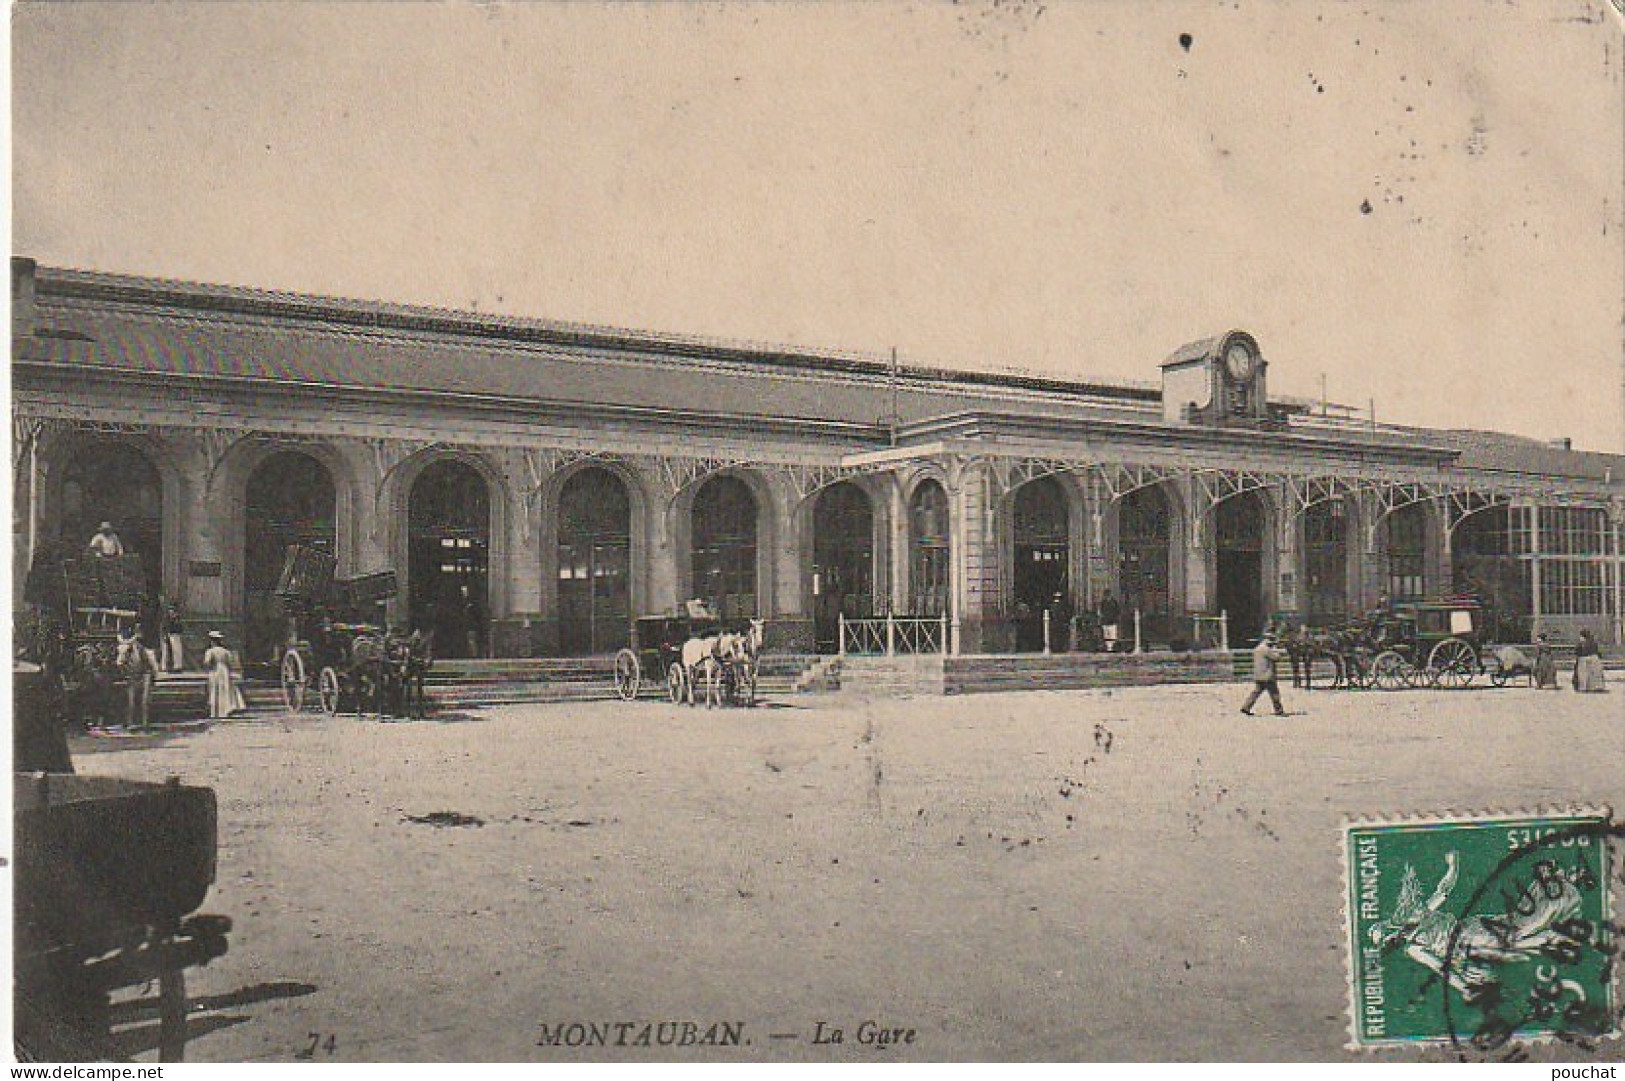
(409,661)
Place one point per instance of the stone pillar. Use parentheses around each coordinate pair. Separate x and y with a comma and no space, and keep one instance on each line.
(976,598)
(206,524)
(1198,545)
(516,630)
(665,542)
(898,529)
(1290,591)
(791,627)
(1437,576)
(1373,563)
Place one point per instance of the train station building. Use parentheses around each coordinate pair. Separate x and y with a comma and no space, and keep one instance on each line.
(535,485)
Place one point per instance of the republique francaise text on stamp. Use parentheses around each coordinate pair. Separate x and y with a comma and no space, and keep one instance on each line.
(1479,931)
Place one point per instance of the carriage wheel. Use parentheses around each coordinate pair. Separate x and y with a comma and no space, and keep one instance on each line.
(676,682)
(327,689)
(1454,662)
(1388,670)
(293,682)
(628,675)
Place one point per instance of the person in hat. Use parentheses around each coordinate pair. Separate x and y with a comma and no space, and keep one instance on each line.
(106,543)
(1265,657)
(1589,677)
(1545,665)
(138,666)
(225,696)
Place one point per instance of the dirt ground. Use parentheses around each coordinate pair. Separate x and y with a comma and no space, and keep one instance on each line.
(1140,874)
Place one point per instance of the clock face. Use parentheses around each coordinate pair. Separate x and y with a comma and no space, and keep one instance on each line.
(1238,360)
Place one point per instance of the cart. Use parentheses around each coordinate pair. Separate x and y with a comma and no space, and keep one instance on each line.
(1431,643)
(109,876)
(350,664)
(102,598)
(656,652)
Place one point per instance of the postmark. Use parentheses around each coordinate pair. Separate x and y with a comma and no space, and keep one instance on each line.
(1482,933)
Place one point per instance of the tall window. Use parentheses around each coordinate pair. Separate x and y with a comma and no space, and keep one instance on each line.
(724,556)
(594,563)
(1407,553)
(928,538)
(1325,560)
(1490,560)
(1573,550)
(1144,526)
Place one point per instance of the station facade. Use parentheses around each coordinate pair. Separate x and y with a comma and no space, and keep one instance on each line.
(537,485)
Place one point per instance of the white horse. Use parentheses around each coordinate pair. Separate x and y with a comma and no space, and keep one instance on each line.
(705,659)
(734,651)
(700,658)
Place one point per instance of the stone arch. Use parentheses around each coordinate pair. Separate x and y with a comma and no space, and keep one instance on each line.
(1147,570)
(289,496)
(840,524)
(228,505)
(1040,530)
(1242,556)
(550,533)
(156,509)
(768,503)
(396,497)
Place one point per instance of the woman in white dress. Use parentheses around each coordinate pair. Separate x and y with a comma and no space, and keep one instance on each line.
(225,697)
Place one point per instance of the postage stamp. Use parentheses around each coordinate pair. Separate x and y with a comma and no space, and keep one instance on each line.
(1482,931)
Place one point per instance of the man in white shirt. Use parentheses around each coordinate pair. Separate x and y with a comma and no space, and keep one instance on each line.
(1265,658)
(106,543)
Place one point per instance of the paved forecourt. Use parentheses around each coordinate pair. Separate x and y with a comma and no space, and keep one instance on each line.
(1127,874)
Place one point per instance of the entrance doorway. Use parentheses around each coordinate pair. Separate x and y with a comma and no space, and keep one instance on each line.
(595,564)
(843,561)
(290,500)
(1042,553)
(1144,559)
(449,541)
(930,551)
(110,480)
(1238,527)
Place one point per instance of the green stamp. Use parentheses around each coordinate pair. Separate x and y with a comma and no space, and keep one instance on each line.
(1479,932)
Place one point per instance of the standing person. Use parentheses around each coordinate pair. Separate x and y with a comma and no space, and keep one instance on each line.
(1060,620)
(1110,613)
(1545,665)
(171,650)
(106,543)
(1265,658)
(1588,674)
(137,664)
(225,697)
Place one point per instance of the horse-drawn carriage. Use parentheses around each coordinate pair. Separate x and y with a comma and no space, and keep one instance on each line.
(1436,643)
(78,608)
(691,650)
(339,649)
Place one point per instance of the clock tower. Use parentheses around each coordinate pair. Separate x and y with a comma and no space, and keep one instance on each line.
(1217,383)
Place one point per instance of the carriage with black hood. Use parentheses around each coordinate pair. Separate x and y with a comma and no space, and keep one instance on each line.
(339,649)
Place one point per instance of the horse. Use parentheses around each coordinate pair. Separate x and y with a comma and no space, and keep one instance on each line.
(699,658)
(735,652)
(1304,647)
(419,659)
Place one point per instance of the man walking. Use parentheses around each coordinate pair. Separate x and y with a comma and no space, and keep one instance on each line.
(1265,658)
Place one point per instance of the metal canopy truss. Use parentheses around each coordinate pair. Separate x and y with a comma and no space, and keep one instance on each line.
(805,480)
(679,473)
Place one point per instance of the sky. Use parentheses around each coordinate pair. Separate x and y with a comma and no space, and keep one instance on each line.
(1418,203)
